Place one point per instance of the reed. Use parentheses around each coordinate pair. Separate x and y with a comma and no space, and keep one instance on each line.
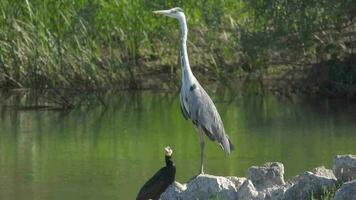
(95,44)
(64,43)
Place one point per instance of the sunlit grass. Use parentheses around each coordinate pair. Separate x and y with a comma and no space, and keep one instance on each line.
(94,43)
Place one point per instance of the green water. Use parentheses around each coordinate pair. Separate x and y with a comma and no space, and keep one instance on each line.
(108,153)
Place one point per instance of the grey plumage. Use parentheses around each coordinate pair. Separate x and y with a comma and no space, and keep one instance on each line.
(195,103)
(204,115)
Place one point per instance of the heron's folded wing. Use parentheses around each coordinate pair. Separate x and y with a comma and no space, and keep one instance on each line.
(183,109)
(204,114)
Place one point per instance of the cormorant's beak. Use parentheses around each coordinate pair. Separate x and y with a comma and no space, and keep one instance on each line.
(162,12)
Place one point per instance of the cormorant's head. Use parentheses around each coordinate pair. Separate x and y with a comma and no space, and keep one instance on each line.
(168,151)
(174,12)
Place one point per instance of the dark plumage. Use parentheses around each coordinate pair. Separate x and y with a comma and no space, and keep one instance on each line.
(159,182)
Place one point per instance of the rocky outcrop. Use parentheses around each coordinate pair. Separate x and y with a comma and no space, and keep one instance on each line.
(248,191)
(268,175)
(266,182)
(310,182)
(345,167)
(238,181)
(347,191)
(203,187)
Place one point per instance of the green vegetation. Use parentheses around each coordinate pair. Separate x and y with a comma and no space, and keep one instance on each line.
(327,193)
(96,44)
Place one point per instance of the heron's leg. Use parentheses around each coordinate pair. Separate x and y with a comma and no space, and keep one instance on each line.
(202,147)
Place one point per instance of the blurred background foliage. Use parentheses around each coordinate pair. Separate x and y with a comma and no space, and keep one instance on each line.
(106,43)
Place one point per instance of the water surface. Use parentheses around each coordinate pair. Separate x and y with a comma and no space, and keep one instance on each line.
(108,153)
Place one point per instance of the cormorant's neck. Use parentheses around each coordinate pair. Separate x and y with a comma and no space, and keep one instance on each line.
(169,162)
(184,61)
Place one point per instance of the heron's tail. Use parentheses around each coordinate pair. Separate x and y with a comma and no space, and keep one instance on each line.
(232,147)
(226,145)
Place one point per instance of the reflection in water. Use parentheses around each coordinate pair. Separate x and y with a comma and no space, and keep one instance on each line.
(108,153)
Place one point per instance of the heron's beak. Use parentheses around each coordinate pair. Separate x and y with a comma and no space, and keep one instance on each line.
(162,12)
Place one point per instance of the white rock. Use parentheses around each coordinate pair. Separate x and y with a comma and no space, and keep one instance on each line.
(347,191)
(266,176)
(202,187)
(238,181)
(322,171)
(248,191)
(265,182)
(310,182)
(174,190)
(275,192)
(345,167)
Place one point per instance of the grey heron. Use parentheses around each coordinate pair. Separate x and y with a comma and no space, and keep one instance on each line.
(195,103)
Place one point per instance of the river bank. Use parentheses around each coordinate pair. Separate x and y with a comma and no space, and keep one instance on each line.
(95,45)
(287,82)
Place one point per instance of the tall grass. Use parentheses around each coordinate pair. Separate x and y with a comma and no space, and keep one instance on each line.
(65,43)
(96,43)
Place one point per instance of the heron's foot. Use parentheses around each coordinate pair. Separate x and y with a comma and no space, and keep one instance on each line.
(194,177)
(201,169)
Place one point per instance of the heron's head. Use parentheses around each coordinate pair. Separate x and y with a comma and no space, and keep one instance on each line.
(174,12)
(168,151)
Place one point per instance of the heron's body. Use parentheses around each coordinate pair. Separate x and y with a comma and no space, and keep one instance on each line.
(195,103)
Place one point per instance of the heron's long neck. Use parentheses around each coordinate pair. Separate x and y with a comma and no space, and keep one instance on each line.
(184,61)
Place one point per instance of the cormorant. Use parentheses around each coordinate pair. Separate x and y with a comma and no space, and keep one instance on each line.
(159,182)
